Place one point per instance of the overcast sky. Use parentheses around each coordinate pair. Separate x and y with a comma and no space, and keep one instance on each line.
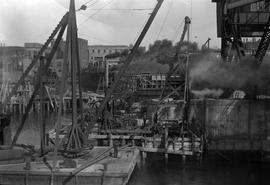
(33,20)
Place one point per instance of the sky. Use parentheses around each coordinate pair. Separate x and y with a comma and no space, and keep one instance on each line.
(33,20)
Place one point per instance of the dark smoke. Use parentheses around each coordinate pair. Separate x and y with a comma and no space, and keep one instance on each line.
(247,75)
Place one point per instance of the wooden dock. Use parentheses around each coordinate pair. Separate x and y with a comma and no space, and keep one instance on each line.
(154,145)
(108,171)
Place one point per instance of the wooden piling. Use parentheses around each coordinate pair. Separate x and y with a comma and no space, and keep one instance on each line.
(166,132)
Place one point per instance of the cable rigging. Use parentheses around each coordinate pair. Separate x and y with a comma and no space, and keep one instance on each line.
(164,20)
(89,17)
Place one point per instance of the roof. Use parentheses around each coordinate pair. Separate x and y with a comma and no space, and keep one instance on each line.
(32,45)
(11,50)
(108,46)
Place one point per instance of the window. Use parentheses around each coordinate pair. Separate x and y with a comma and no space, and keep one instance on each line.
(59,53)
(104,50)
(98,50)
(93,51)
(98,58)
(59,64)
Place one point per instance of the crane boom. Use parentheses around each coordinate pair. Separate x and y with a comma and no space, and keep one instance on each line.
(187,23)
(264,43)
(125,65)
(174,68)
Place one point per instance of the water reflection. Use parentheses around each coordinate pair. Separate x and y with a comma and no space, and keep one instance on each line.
(31,133)
(209,172)
(156,172)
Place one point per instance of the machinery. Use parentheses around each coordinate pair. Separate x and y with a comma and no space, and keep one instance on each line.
(206,45)
(238,19)
(178,68)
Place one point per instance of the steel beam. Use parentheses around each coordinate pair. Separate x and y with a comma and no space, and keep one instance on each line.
(240,3)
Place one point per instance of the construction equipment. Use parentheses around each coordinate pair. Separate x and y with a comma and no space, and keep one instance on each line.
(124,67)
(240,3)
(206,45)
(237,19)
(264,43)
(177,68)
(186,28)
(61,26)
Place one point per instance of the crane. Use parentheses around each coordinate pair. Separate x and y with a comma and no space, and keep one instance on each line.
(124,67)
(206,45)
(176,67)
(264,43)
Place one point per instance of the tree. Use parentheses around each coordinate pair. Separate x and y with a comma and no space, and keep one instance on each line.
(160,45)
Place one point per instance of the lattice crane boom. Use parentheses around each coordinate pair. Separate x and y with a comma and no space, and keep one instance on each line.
(264,43)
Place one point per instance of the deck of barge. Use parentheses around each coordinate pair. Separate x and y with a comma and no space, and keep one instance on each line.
(109,171)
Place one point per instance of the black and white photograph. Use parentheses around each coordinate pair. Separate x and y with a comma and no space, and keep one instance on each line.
(134,92)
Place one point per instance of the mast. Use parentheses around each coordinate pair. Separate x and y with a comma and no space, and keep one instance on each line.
(74,142)
(71,55)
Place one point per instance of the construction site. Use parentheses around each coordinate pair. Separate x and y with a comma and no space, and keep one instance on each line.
(105,121)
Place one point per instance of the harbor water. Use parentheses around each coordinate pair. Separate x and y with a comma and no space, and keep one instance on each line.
(209,172)
(156,171)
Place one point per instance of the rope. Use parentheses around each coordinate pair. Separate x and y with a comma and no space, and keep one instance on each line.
(174,38)
(92,15)
(164,20)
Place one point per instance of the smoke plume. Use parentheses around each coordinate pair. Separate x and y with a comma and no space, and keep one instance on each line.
(212,73)
(205,93)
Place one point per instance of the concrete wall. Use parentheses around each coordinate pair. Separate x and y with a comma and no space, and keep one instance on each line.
(229,124)
(238,124)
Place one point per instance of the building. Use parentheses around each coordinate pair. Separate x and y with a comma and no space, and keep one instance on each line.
(11,66)
(11,69)
(57,64)
(31,49)
(83,52)
(97,54)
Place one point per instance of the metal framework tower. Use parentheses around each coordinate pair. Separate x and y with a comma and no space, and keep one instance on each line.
(238,19)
